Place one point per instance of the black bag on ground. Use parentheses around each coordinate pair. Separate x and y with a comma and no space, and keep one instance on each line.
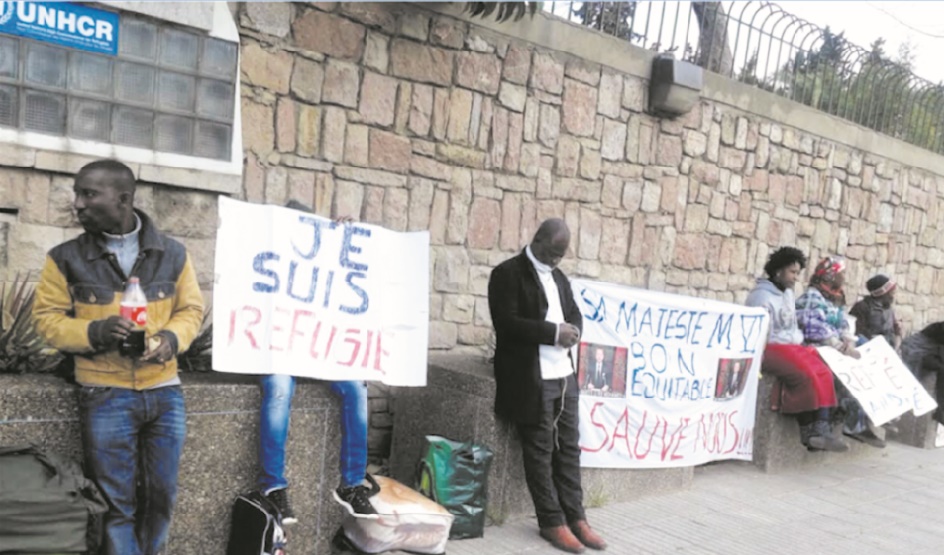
(255,528)
(455,475)
(46,503)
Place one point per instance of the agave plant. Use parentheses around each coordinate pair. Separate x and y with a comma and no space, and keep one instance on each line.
(198,358)
(21,348)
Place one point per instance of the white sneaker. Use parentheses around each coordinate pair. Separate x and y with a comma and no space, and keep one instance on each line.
(939,438)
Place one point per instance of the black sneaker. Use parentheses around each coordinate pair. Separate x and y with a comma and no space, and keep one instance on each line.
(279,498)
(356,499)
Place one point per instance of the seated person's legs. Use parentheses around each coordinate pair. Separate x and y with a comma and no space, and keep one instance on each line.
(277,391)
(808,392)
(356,486)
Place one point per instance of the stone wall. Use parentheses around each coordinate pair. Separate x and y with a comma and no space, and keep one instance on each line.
(416,118)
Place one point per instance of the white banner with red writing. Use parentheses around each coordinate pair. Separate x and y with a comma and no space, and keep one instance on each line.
(298,294)
(665,380)
(880,381)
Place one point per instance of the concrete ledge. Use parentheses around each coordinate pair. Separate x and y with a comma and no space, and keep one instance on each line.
(458,403)
(777,446)
(919,431)
(219,458)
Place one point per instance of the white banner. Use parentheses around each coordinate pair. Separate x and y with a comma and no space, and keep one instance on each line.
(665,380)
(880,381)
(298,294)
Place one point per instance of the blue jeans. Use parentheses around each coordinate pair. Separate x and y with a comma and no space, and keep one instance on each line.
(132,437)
(277,391)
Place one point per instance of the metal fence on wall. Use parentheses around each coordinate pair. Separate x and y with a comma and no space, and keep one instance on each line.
(760,44)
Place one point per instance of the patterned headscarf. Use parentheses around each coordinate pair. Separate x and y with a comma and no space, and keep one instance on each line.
(826,279)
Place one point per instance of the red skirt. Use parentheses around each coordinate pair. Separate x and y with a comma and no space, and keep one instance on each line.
(804,382)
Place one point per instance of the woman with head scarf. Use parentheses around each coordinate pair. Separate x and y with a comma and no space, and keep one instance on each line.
(874,313)
(821,316)
(804,386)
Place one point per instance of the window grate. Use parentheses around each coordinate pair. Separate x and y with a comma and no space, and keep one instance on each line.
(168,89)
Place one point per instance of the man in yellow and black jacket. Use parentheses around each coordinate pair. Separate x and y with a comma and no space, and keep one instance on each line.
(131,410)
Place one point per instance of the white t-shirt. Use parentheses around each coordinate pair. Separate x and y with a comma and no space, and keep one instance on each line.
(555,363)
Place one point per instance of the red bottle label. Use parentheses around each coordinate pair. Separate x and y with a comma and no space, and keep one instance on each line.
(137,314)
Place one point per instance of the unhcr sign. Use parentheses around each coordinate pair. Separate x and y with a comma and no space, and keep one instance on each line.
(61,23)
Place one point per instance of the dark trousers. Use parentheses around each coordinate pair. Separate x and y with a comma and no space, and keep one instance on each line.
(552,456)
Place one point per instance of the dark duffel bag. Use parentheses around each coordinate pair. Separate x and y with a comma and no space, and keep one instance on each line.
(46,503)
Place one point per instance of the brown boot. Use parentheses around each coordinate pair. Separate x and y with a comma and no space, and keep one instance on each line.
(562,538)
(587,536)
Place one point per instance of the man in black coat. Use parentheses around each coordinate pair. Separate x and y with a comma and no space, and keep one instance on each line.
(536,323)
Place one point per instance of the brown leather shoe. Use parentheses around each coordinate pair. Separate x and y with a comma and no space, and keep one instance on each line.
(562,538)
(587,536)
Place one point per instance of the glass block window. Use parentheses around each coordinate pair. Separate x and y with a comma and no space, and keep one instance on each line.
(169,89)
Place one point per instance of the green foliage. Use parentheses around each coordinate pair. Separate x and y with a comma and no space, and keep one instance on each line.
(613,18)
(198,358)
(503,10)
(866,87)
(21,348)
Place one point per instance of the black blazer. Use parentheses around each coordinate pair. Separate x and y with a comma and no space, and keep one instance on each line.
(518,307)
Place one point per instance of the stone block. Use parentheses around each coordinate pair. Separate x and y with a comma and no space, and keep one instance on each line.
(269,70)
(517,64)
(378,99)
(614,140)
(376,54)
(307,80)
(335,128)
(484,223)
(448,32)
(286,125)
(513,97)
(460,114)
(341,83)
(414,25)
(329,34)
(610,95)
(451,269)
(309,130)
(478,71)
(579,108)
(271,18)
(258,127)
(418,62)
(389,151)
(547,72)
(777,446)
(549,125)
(421,109)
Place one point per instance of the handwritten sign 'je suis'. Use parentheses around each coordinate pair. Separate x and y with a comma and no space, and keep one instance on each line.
(299,294)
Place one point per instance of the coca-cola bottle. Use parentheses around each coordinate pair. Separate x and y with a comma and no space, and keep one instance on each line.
(134,308)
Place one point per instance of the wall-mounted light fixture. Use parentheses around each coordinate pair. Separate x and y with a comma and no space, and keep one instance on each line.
(674,87)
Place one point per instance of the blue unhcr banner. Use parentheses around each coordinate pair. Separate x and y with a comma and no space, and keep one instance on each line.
(62,23)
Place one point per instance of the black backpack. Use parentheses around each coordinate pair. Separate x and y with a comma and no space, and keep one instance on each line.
(46,504)
(255,528)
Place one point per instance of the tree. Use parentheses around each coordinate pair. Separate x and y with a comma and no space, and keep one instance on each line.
(714,52)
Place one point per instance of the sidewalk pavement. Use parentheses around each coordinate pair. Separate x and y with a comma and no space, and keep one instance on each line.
(889,502)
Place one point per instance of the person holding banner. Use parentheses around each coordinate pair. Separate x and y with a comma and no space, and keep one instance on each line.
(923,352)
(804,385)
(537,322)
(820,314)
(131,407)
(357,487)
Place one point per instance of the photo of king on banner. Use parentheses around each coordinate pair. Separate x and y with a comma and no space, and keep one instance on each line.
(299,294)
(666,380)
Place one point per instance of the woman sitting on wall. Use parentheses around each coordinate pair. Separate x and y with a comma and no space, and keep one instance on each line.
(923,352)
(804,383)
(821,317)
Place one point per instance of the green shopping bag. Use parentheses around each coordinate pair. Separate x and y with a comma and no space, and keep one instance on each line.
(455,475)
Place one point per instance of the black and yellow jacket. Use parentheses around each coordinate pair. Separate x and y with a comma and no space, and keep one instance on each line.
(82,282)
